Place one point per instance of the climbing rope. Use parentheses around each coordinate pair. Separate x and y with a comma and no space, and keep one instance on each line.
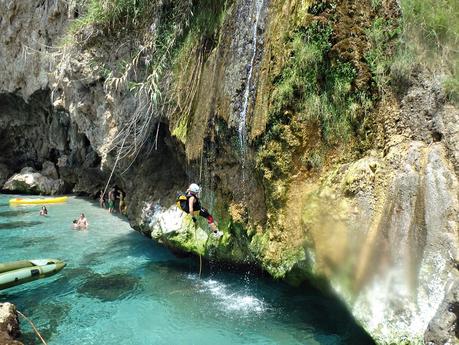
(114,166)
(33,327)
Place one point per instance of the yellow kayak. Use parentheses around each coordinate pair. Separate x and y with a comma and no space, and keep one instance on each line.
(20,201)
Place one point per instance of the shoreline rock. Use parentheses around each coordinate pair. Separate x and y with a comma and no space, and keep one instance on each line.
(29,181)
(9,325)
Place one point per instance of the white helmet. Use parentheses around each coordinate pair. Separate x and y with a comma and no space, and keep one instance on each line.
(194,188)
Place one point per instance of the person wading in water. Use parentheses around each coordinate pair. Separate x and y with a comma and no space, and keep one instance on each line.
(189,203)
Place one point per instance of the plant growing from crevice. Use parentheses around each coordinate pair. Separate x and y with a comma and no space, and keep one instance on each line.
(381,36)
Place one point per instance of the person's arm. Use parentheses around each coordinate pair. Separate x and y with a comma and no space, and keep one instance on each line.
(190,207)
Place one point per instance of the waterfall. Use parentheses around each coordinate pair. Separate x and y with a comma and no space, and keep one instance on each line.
(243,114)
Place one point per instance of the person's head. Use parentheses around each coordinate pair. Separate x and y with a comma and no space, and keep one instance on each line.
(82,215)
(75,221)
(194,189)
(43,208)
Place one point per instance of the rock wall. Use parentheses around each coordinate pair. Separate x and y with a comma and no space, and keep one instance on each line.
(377,226)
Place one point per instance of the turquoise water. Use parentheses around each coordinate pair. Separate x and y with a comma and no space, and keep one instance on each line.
(121,288)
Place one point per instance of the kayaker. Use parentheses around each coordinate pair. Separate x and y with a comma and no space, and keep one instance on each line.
(189,203)
(43,211)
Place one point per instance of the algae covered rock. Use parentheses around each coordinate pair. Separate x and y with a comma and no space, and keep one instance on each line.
(173,228)
(176,229)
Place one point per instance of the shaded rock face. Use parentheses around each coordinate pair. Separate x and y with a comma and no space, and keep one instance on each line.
(9,325)
(26,111)
(57,146)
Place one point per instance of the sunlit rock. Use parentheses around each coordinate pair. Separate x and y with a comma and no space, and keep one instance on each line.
(28,181)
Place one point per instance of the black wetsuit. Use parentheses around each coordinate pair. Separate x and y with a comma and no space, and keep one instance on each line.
(197,207)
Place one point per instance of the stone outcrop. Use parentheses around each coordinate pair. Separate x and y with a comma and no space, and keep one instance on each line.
(9,325)
(29,181)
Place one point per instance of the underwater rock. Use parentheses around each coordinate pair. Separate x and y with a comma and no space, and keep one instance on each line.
(28,181)
(9,324)
(108,287)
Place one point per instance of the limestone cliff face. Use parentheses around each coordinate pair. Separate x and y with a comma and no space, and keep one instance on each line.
(32,130)
(375,222)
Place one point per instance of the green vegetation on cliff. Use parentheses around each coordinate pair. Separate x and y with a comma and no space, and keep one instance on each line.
(424,36)
(150,37)
(111,14)
(315,106)
(430,37)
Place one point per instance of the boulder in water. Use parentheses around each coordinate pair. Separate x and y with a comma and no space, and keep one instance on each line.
(28,181)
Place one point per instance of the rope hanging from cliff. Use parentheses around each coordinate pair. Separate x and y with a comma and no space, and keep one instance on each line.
(114,166)
(33,327)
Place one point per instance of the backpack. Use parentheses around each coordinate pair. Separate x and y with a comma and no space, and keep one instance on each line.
(181,201)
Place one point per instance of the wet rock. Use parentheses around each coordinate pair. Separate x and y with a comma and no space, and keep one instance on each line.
(174,228)
(28,181)
(9,324)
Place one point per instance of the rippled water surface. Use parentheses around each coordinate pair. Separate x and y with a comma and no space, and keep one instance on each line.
(121,288)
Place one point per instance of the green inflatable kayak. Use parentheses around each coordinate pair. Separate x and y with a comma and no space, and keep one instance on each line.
(19,272)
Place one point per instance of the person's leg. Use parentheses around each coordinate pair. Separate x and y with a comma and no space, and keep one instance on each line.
(204,213)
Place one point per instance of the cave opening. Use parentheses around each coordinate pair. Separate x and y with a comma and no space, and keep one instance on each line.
(32,132)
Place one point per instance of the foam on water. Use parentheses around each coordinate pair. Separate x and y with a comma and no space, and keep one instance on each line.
(229,300)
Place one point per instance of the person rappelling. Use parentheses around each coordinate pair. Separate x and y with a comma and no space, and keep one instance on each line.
(189,203)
